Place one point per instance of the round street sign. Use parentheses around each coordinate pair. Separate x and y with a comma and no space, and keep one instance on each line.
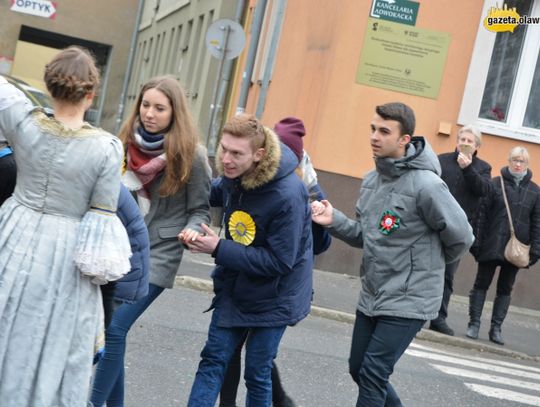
(216,38)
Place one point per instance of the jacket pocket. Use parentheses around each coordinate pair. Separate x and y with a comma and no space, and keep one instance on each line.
(169,232)
(255,294)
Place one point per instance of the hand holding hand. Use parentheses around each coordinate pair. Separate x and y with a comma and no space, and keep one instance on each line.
(322,212)
(203,243)
(187,235)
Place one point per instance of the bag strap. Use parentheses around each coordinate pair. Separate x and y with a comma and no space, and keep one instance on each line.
(507,208)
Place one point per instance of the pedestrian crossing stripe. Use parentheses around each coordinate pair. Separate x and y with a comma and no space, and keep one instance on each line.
(476,358)
(486,370)
(503,394)
(474,364)
(469,374)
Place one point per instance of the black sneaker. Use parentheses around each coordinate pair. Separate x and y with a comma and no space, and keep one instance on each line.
(441,327)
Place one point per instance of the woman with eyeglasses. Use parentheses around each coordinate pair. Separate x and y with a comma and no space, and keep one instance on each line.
(493,232)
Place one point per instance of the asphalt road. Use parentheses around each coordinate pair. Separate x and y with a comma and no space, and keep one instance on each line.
(164,346)
(521,328)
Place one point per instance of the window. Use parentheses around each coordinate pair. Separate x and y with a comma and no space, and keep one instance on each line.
(502,93)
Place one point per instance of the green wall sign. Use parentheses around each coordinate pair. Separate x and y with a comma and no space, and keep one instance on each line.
(398,11)
(402,58)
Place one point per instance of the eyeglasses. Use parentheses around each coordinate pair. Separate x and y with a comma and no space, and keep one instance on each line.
(518,161)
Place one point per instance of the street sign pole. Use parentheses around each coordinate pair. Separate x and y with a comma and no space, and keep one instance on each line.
(225,40)
(209,139)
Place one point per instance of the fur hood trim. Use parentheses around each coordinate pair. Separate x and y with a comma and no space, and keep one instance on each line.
(266,169)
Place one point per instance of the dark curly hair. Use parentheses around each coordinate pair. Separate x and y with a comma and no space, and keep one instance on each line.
(399,112)
(71,75)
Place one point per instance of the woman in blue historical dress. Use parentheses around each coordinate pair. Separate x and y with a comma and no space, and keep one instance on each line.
(59,238)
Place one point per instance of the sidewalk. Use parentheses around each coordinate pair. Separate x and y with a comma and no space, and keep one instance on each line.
(336,297)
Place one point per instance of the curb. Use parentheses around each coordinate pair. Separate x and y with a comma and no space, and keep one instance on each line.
(194,283)
(489,306)
(340,316)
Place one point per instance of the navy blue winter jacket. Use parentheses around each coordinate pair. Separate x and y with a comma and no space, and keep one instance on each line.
(321,238)
(264,266)
(134,285)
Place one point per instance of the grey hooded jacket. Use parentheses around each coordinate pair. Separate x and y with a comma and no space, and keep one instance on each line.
(409,226)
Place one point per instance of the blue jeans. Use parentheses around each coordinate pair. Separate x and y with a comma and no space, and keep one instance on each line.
(229,388)
(109,379)
(377,344)
(261,349)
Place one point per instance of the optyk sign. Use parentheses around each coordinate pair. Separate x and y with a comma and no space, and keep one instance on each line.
(40,8)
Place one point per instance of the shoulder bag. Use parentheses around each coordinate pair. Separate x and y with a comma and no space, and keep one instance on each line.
(515,252)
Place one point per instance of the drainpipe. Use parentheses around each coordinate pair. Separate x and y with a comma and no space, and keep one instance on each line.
(131,57)
(217,117)
(269,66)
(256,27)
(105,84)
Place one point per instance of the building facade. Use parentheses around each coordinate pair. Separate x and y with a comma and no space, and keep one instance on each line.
(172,41)
(32,32)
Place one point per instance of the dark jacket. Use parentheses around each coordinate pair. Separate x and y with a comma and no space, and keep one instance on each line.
(134,285)
(466,185)
(492,227)
(264,266)
(321,237)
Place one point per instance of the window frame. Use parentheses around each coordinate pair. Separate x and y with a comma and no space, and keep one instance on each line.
(477,76)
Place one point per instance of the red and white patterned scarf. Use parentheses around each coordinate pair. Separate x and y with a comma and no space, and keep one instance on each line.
(143,166)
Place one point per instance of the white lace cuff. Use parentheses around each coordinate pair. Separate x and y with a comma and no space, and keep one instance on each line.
(103,248)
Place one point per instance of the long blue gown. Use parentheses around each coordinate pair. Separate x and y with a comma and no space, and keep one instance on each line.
(58,238)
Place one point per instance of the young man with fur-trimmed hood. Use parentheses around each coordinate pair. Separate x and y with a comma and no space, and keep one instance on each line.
(263,273)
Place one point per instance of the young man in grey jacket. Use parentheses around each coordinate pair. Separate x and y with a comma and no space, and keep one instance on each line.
(409,227)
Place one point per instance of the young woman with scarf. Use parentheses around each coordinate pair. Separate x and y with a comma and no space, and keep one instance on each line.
(167,170)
